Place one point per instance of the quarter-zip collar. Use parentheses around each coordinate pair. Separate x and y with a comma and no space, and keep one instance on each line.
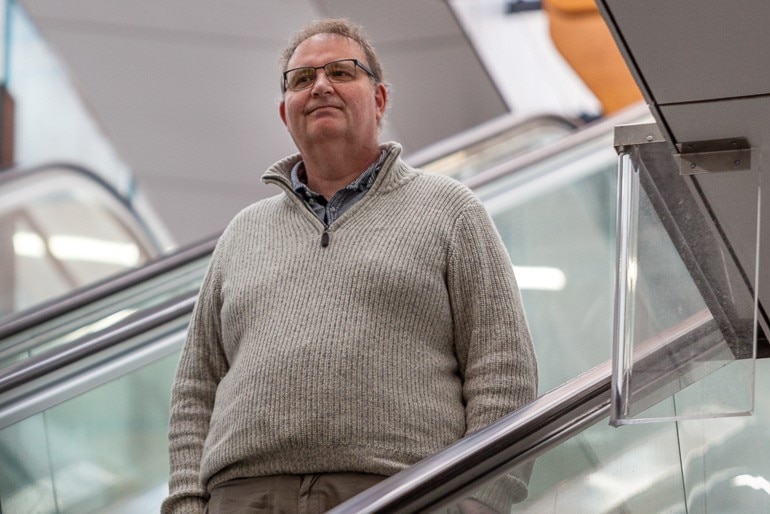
(393,174)
(331,209)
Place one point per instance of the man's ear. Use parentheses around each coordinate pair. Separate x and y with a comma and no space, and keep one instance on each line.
(282,111)
(380,99)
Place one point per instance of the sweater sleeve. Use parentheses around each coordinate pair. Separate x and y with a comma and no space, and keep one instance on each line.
(494,348)
(201,366)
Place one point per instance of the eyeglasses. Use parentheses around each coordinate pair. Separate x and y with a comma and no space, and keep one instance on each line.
(343,70)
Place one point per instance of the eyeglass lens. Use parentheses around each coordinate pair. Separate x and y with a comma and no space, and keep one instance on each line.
(337,71)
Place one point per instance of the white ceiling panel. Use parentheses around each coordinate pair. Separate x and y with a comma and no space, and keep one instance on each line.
(745,117)
(690,50)
(396,20)
(252,19)
(155,98)
(439,83)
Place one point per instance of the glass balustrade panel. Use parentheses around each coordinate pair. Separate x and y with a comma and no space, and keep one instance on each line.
(557,221)
(102,451)
(690,466)
(686,299)
(103,314)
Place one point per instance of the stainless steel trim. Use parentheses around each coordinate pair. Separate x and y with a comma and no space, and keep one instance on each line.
(715,156)
(530,431)
(637,134)
(480,133)
(635,113)
(16,375)
(42,314)
(625,273)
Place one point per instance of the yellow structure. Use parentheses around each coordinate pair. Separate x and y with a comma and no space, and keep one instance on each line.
(582,37)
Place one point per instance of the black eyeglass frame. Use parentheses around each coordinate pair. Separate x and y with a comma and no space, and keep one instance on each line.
(315,69)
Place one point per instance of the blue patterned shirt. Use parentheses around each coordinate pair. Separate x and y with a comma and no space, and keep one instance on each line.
(342,200)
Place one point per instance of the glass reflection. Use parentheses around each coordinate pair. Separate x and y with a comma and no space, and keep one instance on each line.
(499,148)
(61,231)
(60,240)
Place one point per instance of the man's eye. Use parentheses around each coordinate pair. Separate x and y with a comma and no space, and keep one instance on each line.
(301,78)
(341,73)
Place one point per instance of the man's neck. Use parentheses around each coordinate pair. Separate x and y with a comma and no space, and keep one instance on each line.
(329,170)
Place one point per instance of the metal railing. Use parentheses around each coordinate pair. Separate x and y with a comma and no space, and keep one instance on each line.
(22,321)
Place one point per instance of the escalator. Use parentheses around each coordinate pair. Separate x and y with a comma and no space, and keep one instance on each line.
(680,463)
(86,389)
(84,396)
(62,227)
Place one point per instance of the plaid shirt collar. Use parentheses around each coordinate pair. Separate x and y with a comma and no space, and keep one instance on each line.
(363,183)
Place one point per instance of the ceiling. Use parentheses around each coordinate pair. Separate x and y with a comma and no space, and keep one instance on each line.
(187,90)
(701,66)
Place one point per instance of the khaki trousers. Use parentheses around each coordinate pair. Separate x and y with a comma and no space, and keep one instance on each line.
(288,494)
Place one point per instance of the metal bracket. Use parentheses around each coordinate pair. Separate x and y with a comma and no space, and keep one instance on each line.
(636,134)
(714,156)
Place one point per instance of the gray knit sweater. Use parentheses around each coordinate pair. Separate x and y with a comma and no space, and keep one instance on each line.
(401,336)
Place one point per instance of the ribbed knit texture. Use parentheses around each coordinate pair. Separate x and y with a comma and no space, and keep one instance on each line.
(400,337)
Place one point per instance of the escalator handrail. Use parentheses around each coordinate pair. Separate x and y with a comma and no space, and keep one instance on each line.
(483,132)
(582,400)
(55,359)
(588,393)
(514,439)
(591,131)
(11,175)
(46,312)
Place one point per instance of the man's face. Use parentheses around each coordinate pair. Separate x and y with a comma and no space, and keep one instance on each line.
(329,111)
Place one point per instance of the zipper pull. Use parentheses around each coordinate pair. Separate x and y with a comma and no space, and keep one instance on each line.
(324,239)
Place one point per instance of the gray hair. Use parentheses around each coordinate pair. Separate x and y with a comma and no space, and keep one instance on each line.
(340,27)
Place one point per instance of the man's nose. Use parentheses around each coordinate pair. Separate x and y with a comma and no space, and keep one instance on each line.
(322,84)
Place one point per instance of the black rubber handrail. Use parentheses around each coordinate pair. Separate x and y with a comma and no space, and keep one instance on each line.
(21,373)
(14,174)
(515,439)
(484,132)
(46,312)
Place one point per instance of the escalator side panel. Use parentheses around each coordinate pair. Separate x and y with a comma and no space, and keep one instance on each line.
(97,452)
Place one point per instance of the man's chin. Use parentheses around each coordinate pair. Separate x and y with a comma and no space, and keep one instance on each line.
(324,133)
(325,125)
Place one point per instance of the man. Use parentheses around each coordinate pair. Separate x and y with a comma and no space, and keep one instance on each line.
(361,320)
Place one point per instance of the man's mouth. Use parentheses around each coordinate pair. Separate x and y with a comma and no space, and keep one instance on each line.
(320,107)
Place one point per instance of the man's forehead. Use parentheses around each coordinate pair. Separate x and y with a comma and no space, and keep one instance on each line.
(319,43)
